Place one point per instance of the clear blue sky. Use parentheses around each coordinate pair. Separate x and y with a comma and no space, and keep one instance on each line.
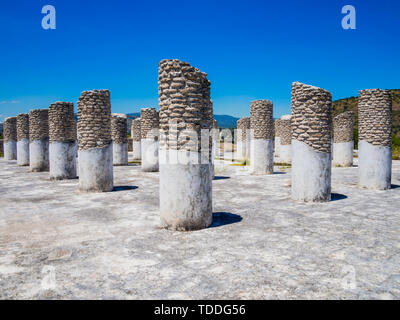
(250,50)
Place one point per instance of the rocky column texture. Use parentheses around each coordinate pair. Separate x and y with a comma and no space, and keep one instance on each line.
(149,129)
(311,143)
(185,166)
(95,144)
(375,139)
(23,139)
(215,139)
(119,131)
(343,141)
(39,140)
(285,148)
(262,134)
(136,139)
(243,138)
(62,134)
(277,134)
(10,138)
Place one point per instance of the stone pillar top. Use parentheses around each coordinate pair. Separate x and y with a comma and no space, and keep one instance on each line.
(135,129)
(38,124)
(311,116)
(243,124)
(22,126)
(10,129)
(343,125)
(149,120)
(119,129)
(62,122)
(285,131)
(261,119)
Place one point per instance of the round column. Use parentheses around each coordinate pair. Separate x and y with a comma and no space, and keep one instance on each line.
(285,140)
(215,139)
(343,140)
(10,138)
(262,146)
(136,139)
(38,140)
(149,128)
(311,143)
(95,155)
(62,135)
(375,139)
(119,130)
(23,139)
(185,166)
(277,133)
(243,126)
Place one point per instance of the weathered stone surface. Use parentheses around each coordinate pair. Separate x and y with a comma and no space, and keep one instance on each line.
(343,125)
(119,128)
(277,128)
(10,129)
(135,130)
(61,122)
(243,125)
(311,116)
(94,119)
(375,117)
(38,124)
(22,126)
(261,120)
(285,131)
(149,120)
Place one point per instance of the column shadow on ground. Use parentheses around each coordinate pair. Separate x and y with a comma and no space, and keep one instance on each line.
(337,196)
(221,178)
(394,186)
(124,188)
(224,218)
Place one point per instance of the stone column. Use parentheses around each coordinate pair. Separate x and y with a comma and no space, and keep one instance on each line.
(311,143)
(119,131)
(285,148)
(10,138)
(243,139)
(262,146)
(343,140)
(215,139)
(185,148)
(375,139)
(149,128)
(23,139)
(62,147)
(277,133)
(94,139)
(136,139)
(38,140)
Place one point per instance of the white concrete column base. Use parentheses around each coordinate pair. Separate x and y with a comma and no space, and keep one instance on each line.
(262,157)
(39,155)
(374,166)
(137,147)
(185,192)
(23,152)
(10,150)
(285,153)
(120,154)
(96,169)
(149,155)
(62,157)
(342,154)
(311,174)
(241,150)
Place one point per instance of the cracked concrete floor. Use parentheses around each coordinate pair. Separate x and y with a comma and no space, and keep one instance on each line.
(56,243)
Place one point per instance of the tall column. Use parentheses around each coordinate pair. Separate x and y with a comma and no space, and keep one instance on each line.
(62,147)
(149,127)
(343,140)
(185,149)
(243,126)
(285,148)
(39,140)
(215,139)
(136,139)
(375,139)
(277,133)
(23,139)
(311,143)
(10,138)
(94,138)
(262,146)
(119,131)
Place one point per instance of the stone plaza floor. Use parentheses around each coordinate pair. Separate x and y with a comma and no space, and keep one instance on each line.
(58,243)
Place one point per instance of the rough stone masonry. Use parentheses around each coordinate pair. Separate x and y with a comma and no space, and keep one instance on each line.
(375,139)
(95,143)
(311,143)
(119,131)
(62,135)
(23,139)
(343,140)
(262,135)
(149,129)
(185,166)
(243,138)
(285,139)
(10,138)
(39,140)
(136,139)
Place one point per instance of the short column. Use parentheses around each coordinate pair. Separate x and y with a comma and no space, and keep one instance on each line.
(38,140)
(375,139)
(119,131)
(95,155)
(343,140)
(311,143)
(285,141)
(10,138)
(277,135)
(136,139)
(23,139)
(243,126)
(149,126)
